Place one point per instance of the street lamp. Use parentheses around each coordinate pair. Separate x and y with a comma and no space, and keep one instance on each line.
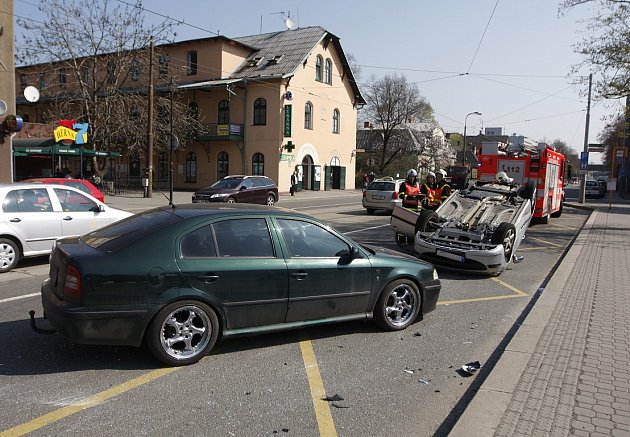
(171,142)
(464,146)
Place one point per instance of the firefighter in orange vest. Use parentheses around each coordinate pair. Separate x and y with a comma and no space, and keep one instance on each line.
(443,189)
(409,191)
(427,192)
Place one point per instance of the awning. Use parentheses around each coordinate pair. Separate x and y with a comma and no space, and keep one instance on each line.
(208,84)
(47,146)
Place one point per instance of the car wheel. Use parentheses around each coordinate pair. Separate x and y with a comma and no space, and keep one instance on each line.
(558,213)
(231,200)
(9,254)
(183,332)
(427,221)
(398,306)
(370,211)
(271,200)
(505,234)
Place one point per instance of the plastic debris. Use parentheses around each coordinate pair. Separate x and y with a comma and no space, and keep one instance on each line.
(470,368)
(409,371)
(333,398)
(424,381)
(339,406)
(417,334)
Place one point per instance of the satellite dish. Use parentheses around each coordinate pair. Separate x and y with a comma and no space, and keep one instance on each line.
(31,94)
(289,23)
(3,107)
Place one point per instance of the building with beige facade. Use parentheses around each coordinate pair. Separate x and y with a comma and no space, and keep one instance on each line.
(271,104)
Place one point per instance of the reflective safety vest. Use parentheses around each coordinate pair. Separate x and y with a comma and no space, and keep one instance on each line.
(410,196)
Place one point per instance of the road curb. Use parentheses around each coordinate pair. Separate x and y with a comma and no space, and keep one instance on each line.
(483,414)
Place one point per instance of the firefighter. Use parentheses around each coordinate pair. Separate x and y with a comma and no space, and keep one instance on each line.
(427,192)
(443,189)
(409,191)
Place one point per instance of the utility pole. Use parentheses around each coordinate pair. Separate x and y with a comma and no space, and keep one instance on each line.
(149,174)
(588,118)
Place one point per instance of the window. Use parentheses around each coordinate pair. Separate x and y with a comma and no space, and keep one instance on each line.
(198,244)
(328,72)
(304,239)
(224,112)
(308,115)
(163,66)
(260,111)
(75,202)
(223,165)
(23,81)
(318,68)
(335,121)
(134,166)
(191,63)
(85,74)
(191,168)
(258,164)
(243,237)
(62,78)
(111,72)
(162,166)
(135,70)
(35,200)
(42,81)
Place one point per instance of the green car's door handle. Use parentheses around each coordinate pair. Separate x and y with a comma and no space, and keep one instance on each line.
(208,278)
(299,275)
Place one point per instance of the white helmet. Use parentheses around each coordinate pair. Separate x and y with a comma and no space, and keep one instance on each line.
(442,172)
(503,178)
(430,174)
(412,172)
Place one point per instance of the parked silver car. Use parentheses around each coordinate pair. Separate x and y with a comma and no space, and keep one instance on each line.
(477,230)
(594,189)
(33,216)
(382,194)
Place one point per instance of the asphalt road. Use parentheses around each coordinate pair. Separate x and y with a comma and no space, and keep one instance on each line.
(402,383)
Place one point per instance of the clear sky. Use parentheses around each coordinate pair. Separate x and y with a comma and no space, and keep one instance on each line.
(517,53)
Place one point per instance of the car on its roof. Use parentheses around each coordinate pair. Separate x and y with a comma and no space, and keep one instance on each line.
(33,216)
(477,230)
(80,184)
(239,189)
(382,194)
(180,278)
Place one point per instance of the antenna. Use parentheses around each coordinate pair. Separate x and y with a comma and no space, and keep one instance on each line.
(286,18)
(31,94)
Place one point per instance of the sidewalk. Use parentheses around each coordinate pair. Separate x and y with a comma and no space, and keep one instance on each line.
(566,370)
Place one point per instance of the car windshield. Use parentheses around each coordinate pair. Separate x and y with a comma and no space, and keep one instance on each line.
(226,183)
(120,234)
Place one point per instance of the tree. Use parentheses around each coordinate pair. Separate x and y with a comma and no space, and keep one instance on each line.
(605,46)
(392,103)
(98,55)
(571,155)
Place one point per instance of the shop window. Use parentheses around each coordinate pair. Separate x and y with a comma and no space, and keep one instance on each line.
(191,168)
(260,112)
(258,164)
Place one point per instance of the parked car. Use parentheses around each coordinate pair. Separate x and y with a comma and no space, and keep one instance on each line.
(240,189)
(80,184)
(457,176)
(477,230)
(382,194)
(33,216)
(594,189)
(180,278)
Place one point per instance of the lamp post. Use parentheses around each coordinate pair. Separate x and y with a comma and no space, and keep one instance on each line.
(171,143)
(464,146)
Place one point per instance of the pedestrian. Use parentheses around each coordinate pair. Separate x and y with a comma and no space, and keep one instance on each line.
(68,174)
(366,181)
(372,176)
(293,183)
(409,190)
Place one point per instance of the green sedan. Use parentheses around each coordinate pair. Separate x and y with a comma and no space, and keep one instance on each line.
(177,279)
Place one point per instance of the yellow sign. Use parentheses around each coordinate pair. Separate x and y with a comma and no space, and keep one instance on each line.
(223,130)
(65,134)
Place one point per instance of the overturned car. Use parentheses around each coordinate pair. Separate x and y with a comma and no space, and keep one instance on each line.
(477,229)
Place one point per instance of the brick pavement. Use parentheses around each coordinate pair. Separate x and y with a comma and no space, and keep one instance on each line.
(570,372)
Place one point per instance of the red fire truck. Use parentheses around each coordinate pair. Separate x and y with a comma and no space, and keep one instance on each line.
(540,165)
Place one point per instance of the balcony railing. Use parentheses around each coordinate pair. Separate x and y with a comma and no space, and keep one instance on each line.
(221,132)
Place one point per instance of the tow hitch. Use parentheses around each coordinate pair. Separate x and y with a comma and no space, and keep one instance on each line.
(35,328)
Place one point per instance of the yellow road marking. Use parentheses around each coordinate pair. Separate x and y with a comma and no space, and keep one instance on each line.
(517,293)
(545,241)
(322,409)
(89,402)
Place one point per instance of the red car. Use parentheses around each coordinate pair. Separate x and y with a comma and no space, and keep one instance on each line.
(79,184)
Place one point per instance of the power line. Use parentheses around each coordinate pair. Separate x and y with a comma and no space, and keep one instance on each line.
(482,36)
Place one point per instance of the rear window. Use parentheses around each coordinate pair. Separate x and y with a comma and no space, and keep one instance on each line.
(129,230)
(382,186)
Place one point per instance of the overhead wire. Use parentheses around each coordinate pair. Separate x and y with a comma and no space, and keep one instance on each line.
(482,37)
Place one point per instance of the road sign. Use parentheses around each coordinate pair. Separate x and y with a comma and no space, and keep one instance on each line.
(584,161)
(596,149)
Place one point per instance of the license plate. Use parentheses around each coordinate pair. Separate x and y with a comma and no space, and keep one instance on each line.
(450,255)
(378,197)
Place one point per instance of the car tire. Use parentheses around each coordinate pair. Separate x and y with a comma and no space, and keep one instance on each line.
(427,221)
(398,306)
(231,200)
(370,211)
(558,213)
(9,254)
(182,333)
(505,235)
(271,200)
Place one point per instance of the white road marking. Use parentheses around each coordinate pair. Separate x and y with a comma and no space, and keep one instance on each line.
(9,299)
